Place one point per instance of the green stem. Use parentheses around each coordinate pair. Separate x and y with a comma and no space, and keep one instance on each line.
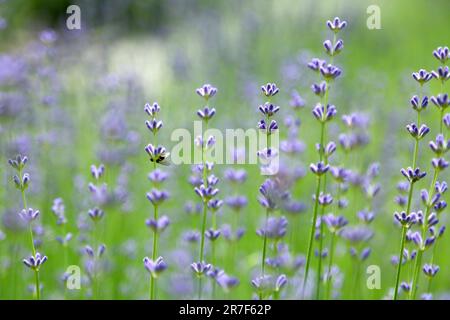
(36,278)
(330,265)
(402,247)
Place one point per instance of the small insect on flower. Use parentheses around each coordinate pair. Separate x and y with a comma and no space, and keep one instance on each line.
(34,262)
(270,89)
(154,267)
(158,154)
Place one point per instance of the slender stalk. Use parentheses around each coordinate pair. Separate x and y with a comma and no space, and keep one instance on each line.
(402,247)
(330,265)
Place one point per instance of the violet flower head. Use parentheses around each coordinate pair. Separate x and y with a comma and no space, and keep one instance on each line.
(157,197)
(405,219)
(275,228)
(158,176)
(206,91)
(430,270)
(413,175)
(334,223)
(226,282)
(330,72)
(324,114)
(235,176)
(206,113)
(236,202)
(422,76)
(417,133)
(97,172)
(18,162)
(152,109)
(316,64)
(325,199)
(212,234)
(336,24)
(319,168)
(440,145)
(418,104)
(96,214)
(333,50)
(35,262)
(206,193)
(29,215)
(268,109)
(158,225)
(446,121)
(297,102)
(154,125)
(270,89)
(441,101)
(442,54)
(215,204)
(200,268)
(157,154)
(271,194)
(319,89)
(58,210)
(442,73)
(154,267)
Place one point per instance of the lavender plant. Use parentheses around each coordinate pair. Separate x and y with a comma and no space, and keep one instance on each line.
(28,215)
(323,112)
(157,155)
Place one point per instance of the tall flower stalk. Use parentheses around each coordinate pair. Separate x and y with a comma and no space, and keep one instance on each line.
(207,190)
(28,215)
(432,198)
(323,112)
(157,155)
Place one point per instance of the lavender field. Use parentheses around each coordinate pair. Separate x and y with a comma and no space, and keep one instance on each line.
(190,150)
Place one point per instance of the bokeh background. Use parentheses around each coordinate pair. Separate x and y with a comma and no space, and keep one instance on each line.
(72,98)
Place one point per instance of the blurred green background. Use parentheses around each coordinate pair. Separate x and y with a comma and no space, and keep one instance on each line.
(163,50)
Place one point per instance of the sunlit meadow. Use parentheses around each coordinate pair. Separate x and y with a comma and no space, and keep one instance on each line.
(347,200)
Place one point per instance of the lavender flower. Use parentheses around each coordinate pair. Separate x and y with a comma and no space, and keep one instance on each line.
(442,54)
(155,267)
(336,24)
(422,76)
(29,215)
(206,91)
(270,89)
(35,262)
(430,270)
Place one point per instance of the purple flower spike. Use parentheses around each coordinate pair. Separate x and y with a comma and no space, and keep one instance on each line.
(316,64)
(206,193)
(275,228)
(270,89)
(268,109)
(417,133)
(336,24)
(440,145)
(446,120)
(330,72)
(322,114)
(442,73)
(280,282)
(236,202)
(156,197)
(34,262)
(319,89)
(325,199)
(297,102)
(235,176)
(158,176)
(334,223)
(158,225)
(152,109)
(406,219)
(442,54)
(439,163)
(422,76)
(215,204)
(430,270)
(212,234)
(207,113)
(206,91)
(96,214)
(97,172)
(418,104)
(200,268)
(155,267)
(19,162)
(333,50)
(441,101)
(154,125)
(413,175)
(319,168)
(29,215)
